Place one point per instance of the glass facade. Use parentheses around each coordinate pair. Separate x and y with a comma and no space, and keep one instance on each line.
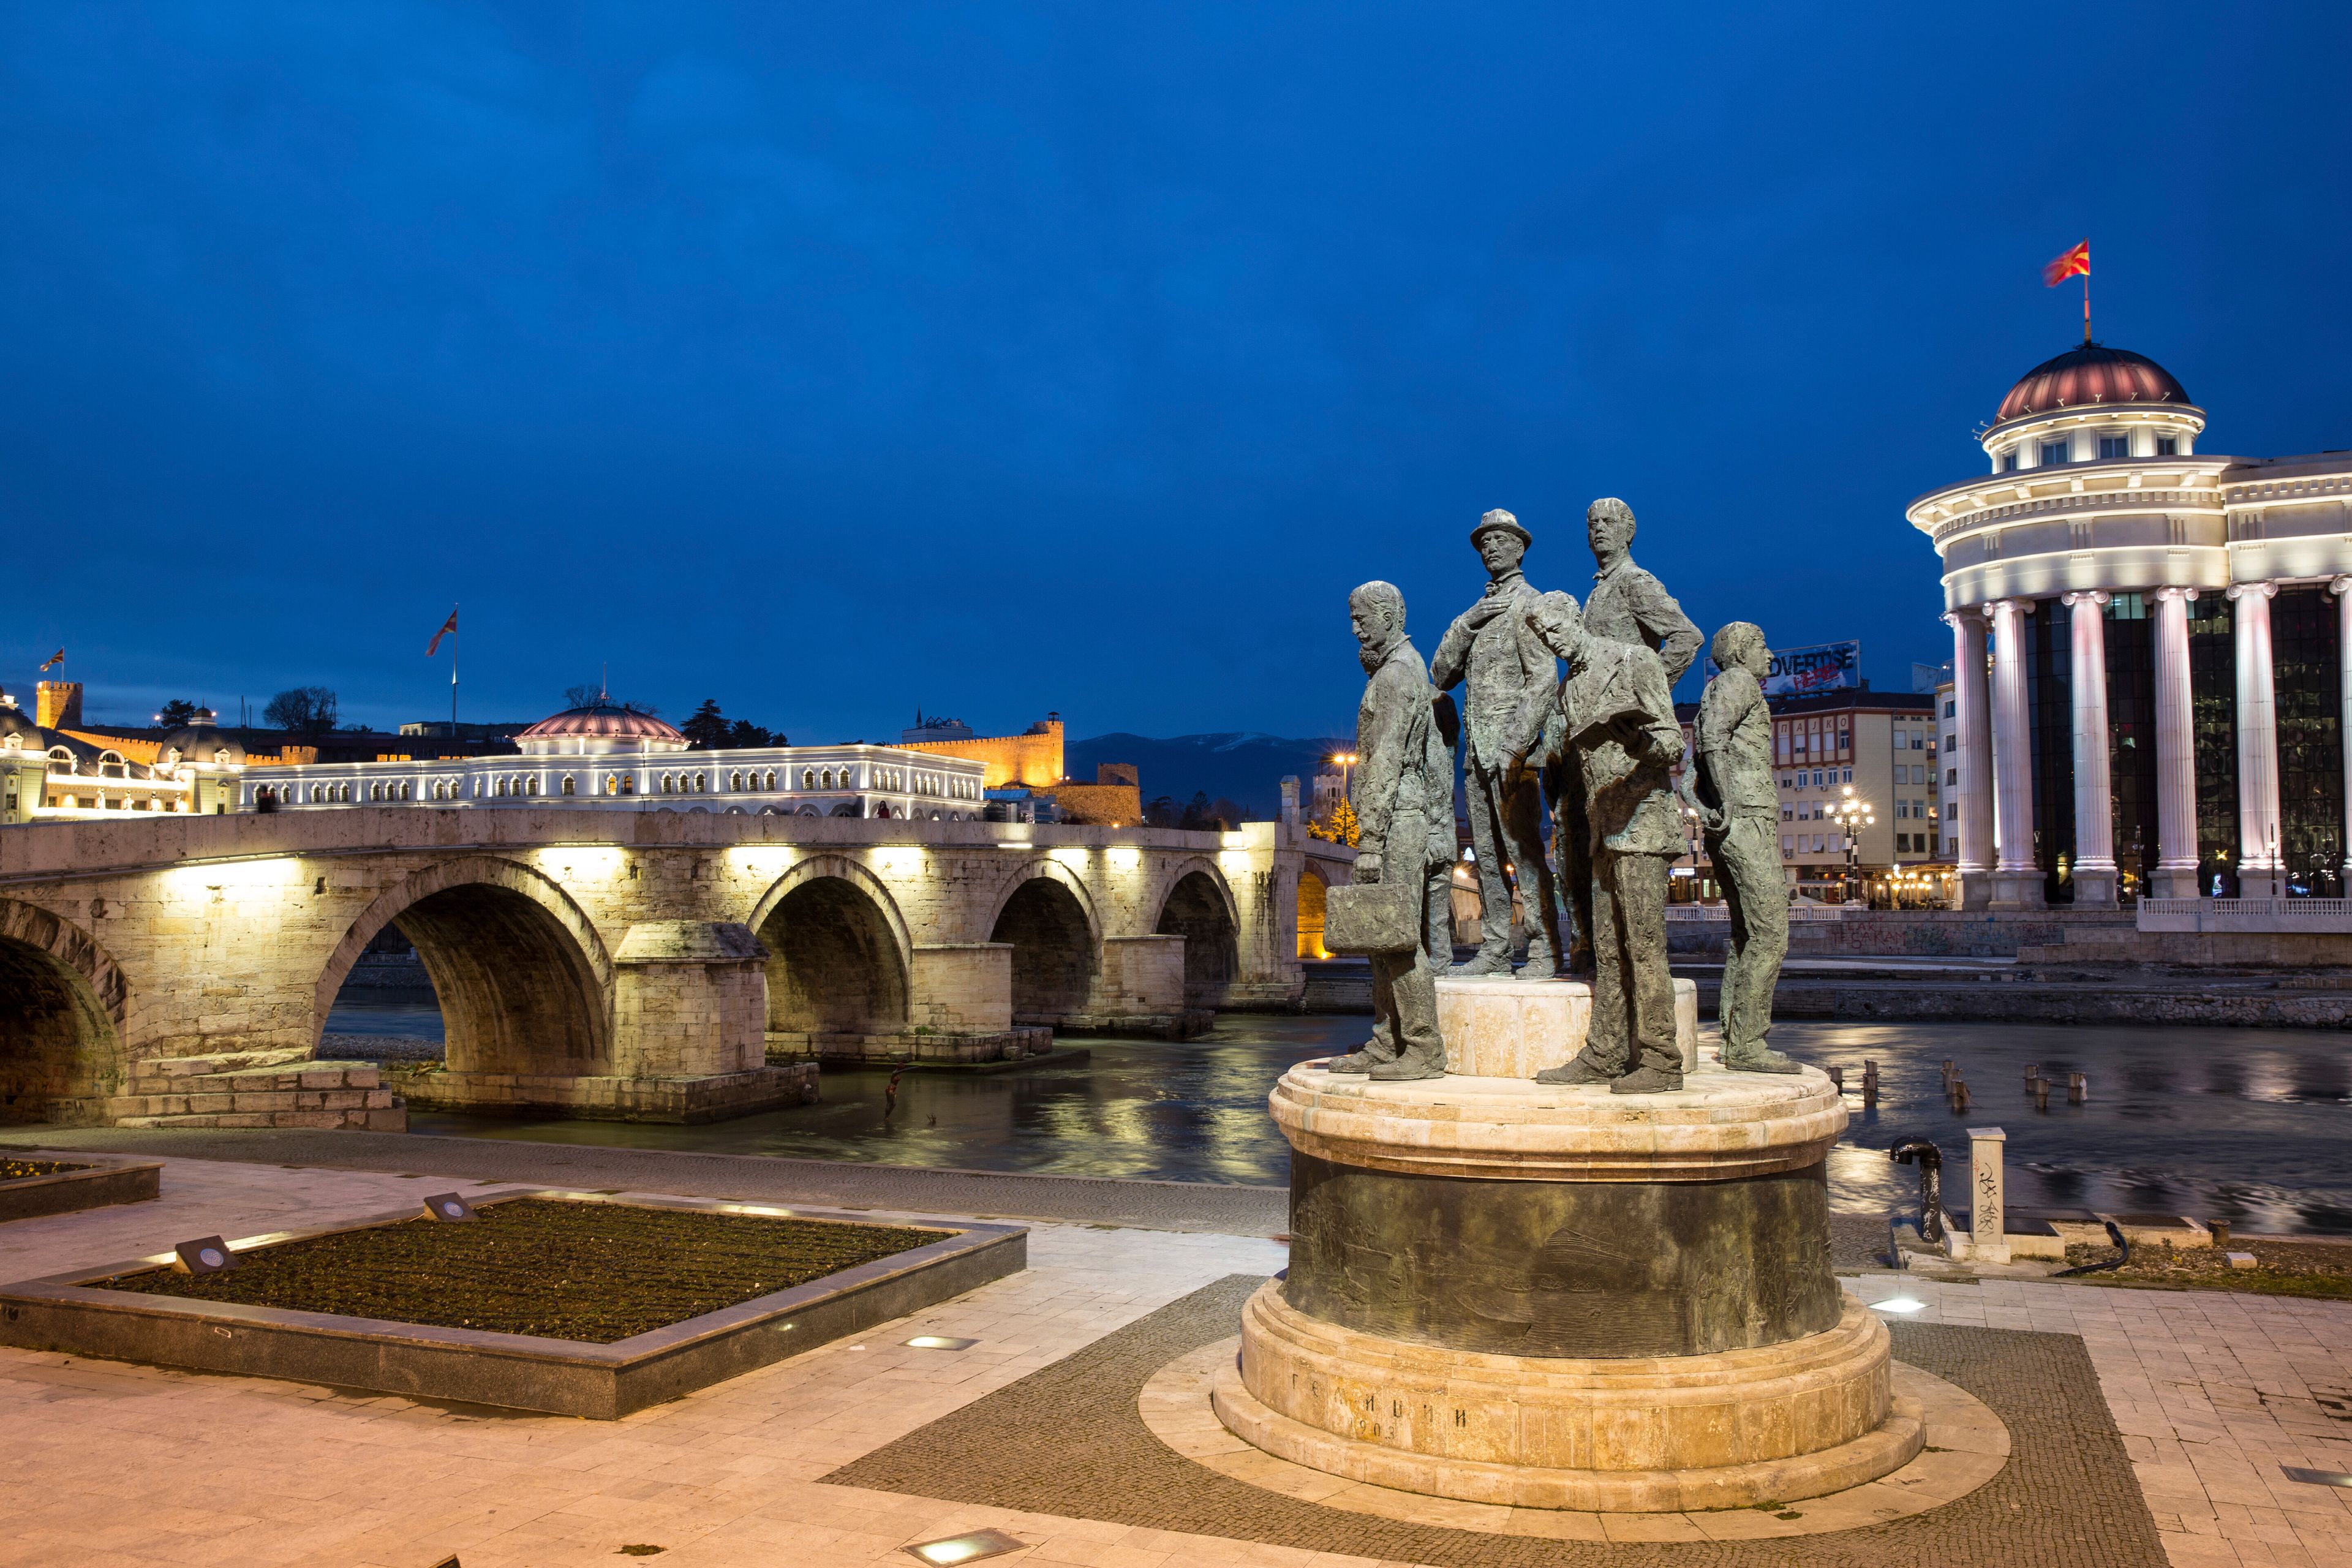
(2131,744)
(2213,719)
(2050,729)
(2307,676)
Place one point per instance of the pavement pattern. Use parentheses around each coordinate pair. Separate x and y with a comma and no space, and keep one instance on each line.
(112,1465)
(1069,1440)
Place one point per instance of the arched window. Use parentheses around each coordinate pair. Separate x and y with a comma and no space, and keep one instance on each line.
(567,783)
(530,784)
(824,779)
(612,784)
(628,784)
(735,780)
(772,778)
(702,784)
(808,778)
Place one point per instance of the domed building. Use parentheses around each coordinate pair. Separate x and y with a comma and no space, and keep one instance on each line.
(608,756)
(2148,650)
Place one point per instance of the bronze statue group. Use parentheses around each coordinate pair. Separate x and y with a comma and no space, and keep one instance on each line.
(1600,746)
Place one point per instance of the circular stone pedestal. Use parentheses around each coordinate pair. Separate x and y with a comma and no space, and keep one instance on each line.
(1559,1298)
(1498,1027)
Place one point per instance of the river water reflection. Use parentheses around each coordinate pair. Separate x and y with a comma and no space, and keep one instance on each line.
(2245,1125)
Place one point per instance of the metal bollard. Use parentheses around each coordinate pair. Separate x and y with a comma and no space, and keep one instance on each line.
(1837,1080)
(1869,1085)
(2078,1087)
(2041,1094)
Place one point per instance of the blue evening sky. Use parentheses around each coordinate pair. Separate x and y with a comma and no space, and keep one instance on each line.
(837,360)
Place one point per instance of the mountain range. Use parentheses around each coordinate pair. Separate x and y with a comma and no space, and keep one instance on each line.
(1245,767)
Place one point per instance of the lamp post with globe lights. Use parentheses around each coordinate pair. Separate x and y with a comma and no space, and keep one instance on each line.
(1851,813)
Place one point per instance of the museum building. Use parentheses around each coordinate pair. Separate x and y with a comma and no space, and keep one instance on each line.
(2149,649)
(608,757)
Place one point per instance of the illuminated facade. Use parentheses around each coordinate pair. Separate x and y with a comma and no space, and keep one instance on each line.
(606,757)
(48,773)
(2162,703)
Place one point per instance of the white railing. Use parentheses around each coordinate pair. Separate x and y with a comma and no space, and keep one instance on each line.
(2252,916)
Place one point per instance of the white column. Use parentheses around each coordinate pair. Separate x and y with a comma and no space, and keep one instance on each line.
(2016,879)
(2258,786)
(1969,802)
(2095,834)
(2342,589)
(2175,750)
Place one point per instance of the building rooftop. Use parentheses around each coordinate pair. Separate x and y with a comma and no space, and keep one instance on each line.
(2092,373)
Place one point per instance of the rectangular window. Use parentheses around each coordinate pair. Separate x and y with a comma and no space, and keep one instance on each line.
(1952,776)
(1950,708)
(2168,446)
(1784,847)
(2114,446)
(2057,451)
(2009,461)
(1903,809)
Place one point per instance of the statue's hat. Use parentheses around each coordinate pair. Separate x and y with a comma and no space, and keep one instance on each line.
(1503,520)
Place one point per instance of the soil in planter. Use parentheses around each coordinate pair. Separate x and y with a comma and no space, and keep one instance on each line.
(18,1170)
(2282,1268)
(591,1272)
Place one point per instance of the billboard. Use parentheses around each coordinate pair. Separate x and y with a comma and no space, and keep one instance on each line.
(1824,666)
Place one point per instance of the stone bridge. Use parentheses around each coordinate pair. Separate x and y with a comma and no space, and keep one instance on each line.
(635,965)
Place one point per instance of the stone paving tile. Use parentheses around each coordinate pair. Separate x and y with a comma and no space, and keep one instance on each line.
(118,1465)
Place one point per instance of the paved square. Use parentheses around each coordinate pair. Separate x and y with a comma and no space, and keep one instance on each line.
(112,1464)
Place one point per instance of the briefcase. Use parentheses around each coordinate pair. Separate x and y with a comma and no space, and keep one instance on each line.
(1372,918)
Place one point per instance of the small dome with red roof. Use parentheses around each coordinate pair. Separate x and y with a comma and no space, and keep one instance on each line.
(601,727)
(2091,376)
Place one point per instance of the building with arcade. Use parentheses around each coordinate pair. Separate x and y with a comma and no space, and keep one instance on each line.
(2148,650)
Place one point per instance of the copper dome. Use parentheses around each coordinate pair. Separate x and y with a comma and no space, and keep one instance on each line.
(602,722)
(2092,375)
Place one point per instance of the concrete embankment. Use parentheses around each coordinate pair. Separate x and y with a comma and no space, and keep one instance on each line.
(1997,994)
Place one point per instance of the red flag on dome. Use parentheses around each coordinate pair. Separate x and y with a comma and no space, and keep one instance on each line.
(447,627)
(2076,263)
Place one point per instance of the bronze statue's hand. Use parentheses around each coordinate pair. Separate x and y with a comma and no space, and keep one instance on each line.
(1484,610)
(1368,866)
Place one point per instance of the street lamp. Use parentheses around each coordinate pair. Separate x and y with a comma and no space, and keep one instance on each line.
(1851,813)
(1346,760)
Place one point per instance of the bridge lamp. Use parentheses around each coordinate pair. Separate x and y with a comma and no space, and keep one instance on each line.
(1071,856)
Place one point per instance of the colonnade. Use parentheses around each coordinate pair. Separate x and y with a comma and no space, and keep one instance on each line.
(1992,801)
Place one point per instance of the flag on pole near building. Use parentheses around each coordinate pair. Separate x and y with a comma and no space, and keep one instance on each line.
(2076,263)
(54,660)
(447,627)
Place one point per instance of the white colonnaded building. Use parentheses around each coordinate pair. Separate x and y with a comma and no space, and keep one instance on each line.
(607,757)
(2162,709)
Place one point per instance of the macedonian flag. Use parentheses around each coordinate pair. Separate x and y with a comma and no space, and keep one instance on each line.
(2076,263)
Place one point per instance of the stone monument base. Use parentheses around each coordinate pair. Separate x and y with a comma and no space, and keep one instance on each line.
(1552,1296)
(1640,1435)
(1509,1028)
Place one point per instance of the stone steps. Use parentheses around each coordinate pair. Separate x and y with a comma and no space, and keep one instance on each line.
(257,1089)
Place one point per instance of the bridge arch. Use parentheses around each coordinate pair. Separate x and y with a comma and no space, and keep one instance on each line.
(840,958)
(1047,916)
(62,1002)
(524,982)
(1199,908)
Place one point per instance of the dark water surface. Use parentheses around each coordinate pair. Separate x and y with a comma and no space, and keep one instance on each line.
(2252,1126)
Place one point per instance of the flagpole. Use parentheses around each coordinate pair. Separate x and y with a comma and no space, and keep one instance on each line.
(453,649)
(2086,304)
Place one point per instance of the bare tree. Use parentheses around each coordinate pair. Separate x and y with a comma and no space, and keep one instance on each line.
(305,710)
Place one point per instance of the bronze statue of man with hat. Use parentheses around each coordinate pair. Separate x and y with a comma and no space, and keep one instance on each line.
(1491,649)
